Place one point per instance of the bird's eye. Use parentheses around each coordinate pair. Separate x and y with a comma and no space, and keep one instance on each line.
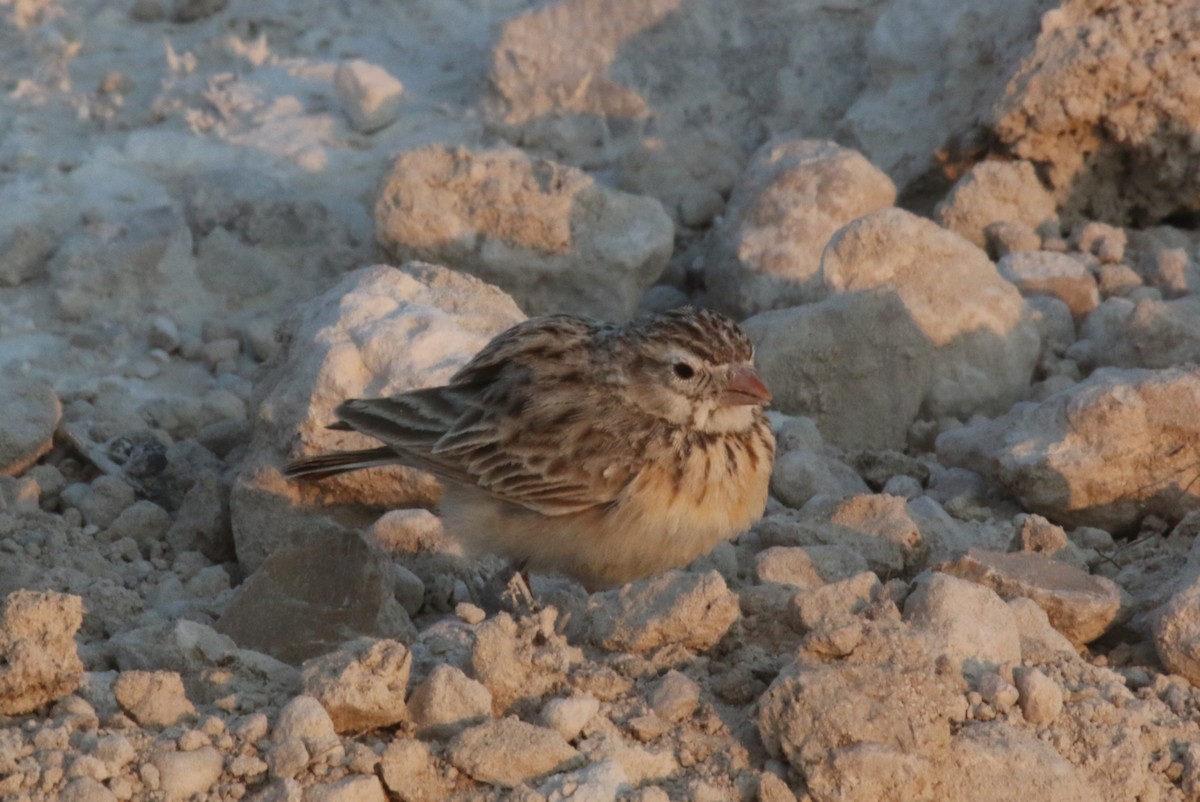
(683,370)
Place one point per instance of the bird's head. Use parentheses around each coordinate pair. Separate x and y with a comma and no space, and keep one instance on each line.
(695,367)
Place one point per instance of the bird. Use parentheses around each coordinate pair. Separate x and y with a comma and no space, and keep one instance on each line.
(599,451)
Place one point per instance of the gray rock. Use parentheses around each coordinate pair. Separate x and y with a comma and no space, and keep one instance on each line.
(965,623)
(547,234)
(295,606)
(31,413)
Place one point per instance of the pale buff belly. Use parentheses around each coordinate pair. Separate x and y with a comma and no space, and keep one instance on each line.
(657,524)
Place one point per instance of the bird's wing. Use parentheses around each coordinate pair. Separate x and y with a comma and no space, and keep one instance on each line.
(515,421)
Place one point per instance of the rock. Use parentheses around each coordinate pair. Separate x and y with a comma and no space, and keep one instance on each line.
(675,697)
(86,789)
(1005,237)
(981,761)
(355,788)
(915,117)
(863,385)
(690,173)
(569,716)
(984,342)
(1090,456)
(38,659)
(547,234)
(378,331)
(995,192)
(788,565)
(508,752)
(305,721)
(183,646)
(674,608)
(295,606)
(153,698)
(1080,606)
(1055,324)
(1170,270)
(765,251)
(1040,697)
(520,660)
(1040,642)
(818,717)
(586,78)
(1102,122)
(1107,243)
(202,520)
(24,251)
(447,702)
(409,773)
(368,94)
(1176,630)
(183,775)
(801,474)
(130,268)
(878,527)
(100,502)
(1146,333)
(362,685)
(1117,280)
(597,782)
(1055,274)
(31,413)
(965,623)
(835,601)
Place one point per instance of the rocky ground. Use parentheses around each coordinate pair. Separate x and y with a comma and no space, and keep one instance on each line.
(961,233)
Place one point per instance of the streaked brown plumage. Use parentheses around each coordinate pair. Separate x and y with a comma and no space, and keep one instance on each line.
(603,452)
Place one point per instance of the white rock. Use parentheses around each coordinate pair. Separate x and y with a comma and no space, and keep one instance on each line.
(1060,458)
(568,716)
(355,788)
(508,751)
(1080,606)
(378,331)
(153,698)
(995,192)
(765,252)
(38,658)
(447,702)
(675,696)
(303,719)
(674,608)
(182,775)
(1040,697)
(362,685)
(598,782)
(1058,275)
(965,622)
(368,94)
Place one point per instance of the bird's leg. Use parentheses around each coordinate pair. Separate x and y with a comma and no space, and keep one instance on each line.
(518,594)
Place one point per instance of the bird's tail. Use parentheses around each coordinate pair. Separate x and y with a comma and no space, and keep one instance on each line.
(322,466)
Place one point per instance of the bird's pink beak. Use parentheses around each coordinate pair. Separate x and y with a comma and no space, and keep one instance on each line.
(745,388)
